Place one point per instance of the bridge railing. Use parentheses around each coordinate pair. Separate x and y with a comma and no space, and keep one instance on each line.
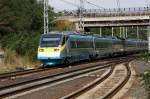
(141,11)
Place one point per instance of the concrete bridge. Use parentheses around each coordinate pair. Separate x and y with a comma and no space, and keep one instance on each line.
(110,17)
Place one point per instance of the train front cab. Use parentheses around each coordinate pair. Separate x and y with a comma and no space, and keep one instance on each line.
(52,49)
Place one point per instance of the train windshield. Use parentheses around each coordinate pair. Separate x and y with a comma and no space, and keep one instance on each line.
(50,40)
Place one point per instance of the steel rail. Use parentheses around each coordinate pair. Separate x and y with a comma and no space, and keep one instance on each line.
(90,86)
(24,72)
(119,87)
(107,96)
(9,90)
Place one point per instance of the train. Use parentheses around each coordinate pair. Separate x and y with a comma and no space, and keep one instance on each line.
(67,47)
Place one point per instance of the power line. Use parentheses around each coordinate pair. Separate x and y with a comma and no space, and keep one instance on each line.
(118,4)
(147,4)
(67,2)
(70,3)
(95,5)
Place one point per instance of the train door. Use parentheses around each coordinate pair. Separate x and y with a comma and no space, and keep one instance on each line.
(65,45)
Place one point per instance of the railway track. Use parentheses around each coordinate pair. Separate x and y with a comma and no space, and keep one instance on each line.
(107,86)
(18,73)
(57,78)
(37,70)
(117,88)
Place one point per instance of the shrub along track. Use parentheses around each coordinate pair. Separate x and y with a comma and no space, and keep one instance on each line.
(54,77)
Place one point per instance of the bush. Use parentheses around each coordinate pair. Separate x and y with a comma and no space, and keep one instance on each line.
(23,44)
(145,56)
(146,78)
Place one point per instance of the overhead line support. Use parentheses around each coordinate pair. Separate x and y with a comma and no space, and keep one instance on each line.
(46,29)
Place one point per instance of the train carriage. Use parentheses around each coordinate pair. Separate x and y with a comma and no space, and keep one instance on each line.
(52,48)
(67,47)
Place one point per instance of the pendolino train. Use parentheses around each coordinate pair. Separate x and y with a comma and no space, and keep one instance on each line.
(67,47)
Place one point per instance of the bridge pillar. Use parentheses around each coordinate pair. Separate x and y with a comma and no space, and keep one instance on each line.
(120,31)
(112,31)
(126,32)
(77,26)
(100,31)
(137,32)
(123,31)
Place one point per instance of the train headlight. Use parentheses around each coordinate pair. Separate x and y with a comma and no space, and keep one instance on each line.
(41,50)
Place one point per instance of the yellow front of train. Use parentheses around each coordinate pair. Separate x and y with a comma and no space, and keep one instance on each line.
(51,49)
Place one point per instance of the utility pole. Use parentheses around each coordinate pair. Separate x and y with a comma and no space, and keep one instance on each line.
(81,24)
(46,17)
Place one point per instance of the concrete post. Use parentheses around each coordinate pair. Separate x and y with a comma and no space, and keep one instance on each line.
(123,32)
(120,31)
(112,31)
(100,32)
(77,26)
(126,32)
(137,32)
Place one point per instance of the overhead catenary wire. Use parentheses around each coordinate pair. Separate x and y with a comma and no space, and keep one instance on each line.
(146,2)
(78,6)
(118,4)
(70,3)
(98,6)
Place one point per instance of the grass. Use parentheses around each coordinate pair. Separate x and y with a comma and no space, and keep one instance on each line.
(146,74)
(12,61)
(146,78)
(20,50)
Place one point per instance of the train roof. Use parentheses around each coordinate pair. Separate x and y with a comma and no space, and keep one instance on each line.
(80,34)
(87,34)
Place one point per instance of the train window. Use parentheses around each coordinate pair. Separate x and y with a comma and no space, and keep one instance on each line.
(67,38)
(50,40)
(73,44)
(102,44)
(64,40)
(84,44)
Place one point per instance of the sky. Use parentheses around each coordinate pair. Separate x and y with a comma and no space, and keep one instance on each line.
(60,5)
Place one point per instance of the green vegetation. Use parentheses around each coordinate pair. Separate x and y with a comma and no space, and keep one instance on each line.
(146,78)
(106,31)
(146,75)
(21,24)
(145,56)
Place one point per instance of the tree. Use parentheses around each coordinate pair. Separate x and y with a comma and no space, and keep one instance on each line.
(22,16)
(21,24)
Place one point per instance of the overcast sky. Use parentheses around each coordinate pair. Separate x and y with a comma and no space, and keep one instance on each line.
(61,4)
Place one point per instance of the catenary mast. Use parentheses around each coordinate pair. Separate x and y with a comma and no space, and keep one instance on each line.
(46,17)
(81,24)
